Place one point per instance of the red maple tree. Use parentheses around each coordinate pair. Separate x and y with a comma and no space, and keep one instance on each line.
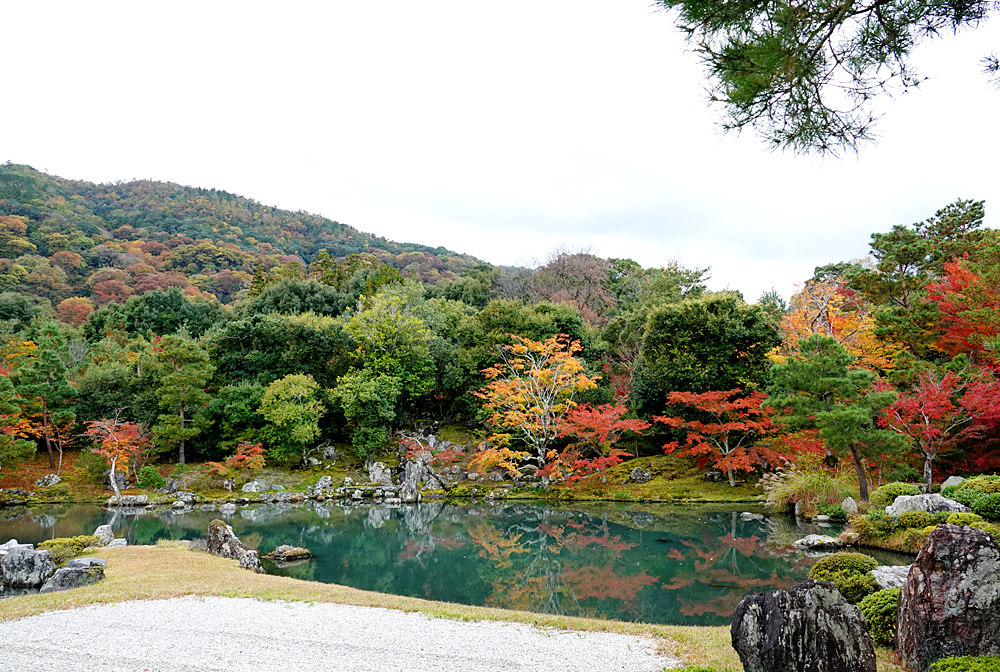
(943,410)
(735,421)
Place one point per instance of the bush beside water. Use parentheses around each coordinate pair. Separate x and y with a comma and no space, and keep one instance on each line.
(849,572)
(885,495)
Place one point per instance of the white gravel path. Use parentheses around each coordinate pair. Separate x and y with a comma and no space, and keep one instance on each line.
(232,635)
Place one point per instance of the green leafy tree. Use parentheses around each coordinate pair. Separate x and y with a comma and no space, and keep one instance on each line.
(713,343)
(907,260)
(43,387)
(804,74)
(816,388)
(292,407)
(183,370)
(368,401)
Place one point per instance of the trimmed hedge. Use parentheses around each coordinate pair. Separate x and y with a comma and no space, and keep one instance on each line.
(988,506)
(885,495)
(968,664)
(849,572)
(64,549)
(964,518)
(880,610)
(916,519)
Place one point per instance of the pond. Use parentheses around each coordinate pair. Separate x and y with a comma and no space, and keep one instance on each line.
(680,565)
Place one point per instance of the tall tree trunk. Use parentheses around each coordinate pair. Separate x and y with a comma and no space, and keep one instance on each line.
(48,439)
(928,474)
(182,436)
(862,474)
(732,480)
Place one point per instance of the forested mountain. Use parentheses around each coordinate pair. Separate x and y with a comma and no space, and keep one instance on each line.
(61,238)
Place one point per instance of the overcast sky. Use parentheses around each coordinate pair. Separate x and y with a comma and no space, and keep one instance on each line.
(499,130)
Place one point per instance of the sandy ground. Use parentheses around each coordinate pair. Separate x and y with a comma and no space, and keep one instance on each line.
(232,635)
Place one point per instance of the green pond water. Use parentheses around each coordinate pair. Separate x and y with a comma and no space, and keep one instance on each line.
(658,564)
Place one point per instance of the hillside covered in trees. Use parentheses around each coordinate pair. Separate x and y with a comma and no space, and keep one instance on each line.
(208,324)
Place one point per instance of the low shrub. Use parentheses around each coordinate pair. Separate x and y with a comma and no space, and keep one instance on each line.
(916,519)
(983,483)
(863,527)
(835,511)
(967,497)
(959,518)
(968,664)
(883,524)
(887,494)
(988,506)
(64,549)
(880,610)
(914,539)
(949,491)
(150,479)
(849,572)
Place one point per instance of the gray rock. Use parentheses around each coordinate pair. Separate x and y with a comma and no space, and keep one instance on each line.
(222,541)
(747,516)
(950,604)
(799,507)
(188,498)
(172,486)
(810,627)
(117,542)
(105,534)
(256,485)
(414,473)
(67,578)
(48,480)
(227,509)
(951,480)
(179,505)
(313,462)
(818,541)
(323,483)
(639,475)
(87,562)
(129,500)
(889,576)
(24,567)
(822,519)
(930,503)
(849,506)
(379,473)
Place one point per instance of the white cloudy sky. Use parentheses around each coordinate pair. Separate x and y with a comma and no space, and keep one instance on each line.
(498,129)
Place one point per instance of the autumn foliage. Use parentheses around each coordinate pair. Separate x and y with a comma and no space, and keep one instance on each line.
(118,442)
(726,438)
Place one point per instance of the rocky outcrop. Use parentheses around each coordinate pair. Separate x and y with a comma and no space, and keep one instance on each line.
(256,485)
(24,567)
(929,503)
(48,480)
(639,475)
(849,506)
(79,572)
(285,555)
(889,576)
(950,604)
(129,500)
(222,541)
(810,627)
(379,474)
(818,541)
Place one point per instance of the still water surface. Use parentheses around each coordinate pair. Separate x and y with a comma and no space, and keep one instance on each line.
(658,564)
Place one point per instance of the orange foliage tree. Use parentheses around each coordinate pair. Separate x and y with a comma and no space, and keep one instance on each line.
(74,310)
(118,442)
(968,302)
(528,393)
(832,309)
(727,438)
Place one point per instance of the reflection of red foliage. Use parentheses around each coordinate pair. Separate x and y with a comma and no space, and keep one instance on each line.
(604,584)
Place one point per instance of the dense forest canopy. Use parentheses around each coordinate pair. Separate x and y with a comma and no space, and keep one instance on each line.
(209,323)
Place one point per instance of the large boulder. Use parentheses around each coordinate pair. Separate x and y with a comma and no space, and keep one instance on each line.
(950,604)
(952,480)
(24,567)
(79,572)
(810,627)
(379,474)
(222,541)
(930,503)
(48,480)
(104,534)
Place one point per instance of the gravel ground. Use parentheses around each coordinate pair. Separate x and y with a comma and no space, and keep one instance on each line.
(232,635)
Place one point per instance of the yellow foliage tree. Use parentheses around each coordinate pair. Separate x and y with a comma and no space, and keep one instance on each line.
(528,393)
(831,309)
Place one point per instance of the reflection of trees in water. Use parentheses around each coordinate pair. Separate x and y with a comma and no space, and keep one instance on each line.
(544,566)
(725,564)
